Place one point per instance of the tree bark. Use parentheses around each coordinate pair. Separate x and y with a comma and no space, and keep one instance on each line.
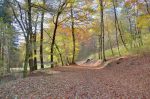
(102,31)
(26,60)
(53,40)
(60,55)
(137,29)
(117,41)
(110,44)
(41,38)
(31,62)
(35,48)
(99,47)
(73,36)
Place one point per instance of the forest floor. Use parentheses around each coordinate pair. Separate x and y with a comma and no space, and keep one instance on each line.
(123,78)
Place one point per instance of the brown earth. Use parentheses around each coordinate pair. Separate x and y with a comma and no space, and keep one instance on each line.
(122,78)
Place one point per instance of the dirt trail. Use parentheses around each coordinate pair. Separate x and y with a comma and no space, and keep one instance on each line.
(124,78)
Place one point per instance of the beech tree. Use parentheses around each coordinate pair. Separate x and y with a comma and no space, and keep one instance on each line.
(60,9)
(41,39)
(102,35)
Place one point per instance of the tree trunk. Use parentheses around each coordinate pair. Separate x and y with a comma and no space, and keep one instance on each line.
(3,41)
(121,36)
(8,64)
(117,41)
(110,44)
(117,26)
(73,35)
(53,40)
(41,39)
(35,53)
(137,29)
(35,48)
(102,31)
(60,55)
(31,62)
(26,59)
(99,47)
(131,33)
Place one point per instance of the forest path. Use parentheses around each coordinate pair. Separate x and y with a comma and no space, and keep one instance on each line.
(126,78)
